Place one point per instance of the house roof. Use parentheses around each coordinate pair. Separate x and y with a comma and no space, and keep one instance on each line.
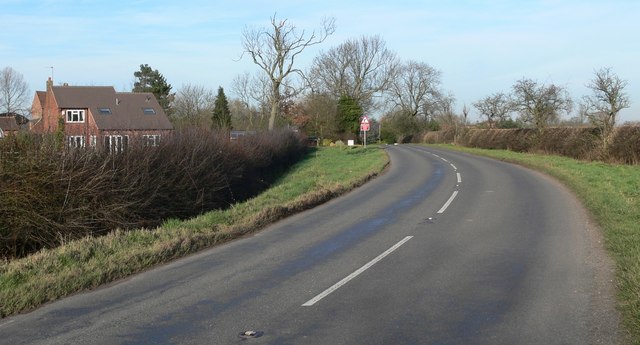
(8,123)
(42,96)
(114,110)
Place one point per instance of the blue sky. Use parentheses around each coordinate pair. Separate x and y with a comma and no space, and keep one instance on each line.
(481,47)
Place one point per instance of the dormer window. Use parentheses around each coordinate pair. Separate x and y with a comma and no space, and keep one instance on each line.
(75,115)
(149,111)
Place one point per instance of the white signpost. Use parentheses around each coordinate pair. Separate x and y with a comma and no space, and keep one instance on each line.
(364,127)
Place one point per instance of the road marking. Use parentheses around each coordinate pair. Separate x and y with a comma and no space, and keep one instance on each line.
(459,177)
(446,205)
(348,278)
(6,323)
(453,166)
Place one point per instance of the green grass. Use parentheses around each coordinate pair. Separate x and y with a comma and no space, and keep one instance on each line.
(88,263)
(612,195)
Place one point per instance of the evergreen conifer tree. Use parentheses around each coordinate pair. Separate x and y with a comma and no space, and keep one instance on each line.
(221,117)
(150,80)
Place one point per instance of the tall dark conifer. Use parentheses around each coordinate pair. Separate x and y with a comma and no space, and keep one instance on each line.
(150,80)
(221,117)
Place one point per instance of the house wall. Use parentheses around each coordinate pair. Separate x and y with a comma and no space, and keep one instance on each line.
(86,128)
(136,137)
(37,109)
(50,112)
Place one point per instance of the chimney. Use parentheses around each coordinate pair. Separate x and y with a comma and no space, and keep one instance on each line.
(49,83)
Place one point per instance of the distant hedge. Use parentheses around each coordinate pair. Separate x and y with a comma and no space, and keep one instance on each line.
(580,143)
(50,195)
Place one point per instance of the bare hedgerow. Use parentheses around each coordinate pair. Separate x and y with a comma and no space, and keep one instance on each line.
(625,145)
(49,196)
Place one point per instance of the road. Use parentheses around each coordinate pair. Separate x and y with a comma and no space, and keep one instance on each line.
(444,248)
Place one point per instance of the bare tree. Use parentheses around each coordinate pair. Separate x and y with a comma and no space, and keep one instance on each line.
(414,84)
(275,49)
(240,86)
(605,102)
(439,105)
(540,104)
(496,107)
(14,92)
(254,93)
(253,90)
(193,105)
(465,115)
(359,68)
(461,127)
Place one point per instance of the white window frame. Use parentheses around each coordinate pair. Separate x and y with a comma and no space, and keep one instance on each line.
(93,140)
(76,141)
(75,115)
(116,143)
(151,140)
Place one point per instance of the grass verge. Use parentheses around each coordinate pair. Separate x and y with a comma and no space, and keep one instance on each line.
(88,263)
(612,195)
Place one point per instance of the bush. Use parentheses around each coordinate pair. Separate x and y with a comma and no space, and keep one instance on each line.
(49,196)
(625,145)
(580,143)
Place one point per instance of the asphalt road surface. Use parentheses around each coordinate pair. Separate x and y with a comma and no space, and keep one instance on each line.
(444,248)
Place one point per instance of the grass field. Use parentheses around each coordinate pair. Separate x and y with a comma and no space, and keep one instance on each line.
(612,195)
(88,263)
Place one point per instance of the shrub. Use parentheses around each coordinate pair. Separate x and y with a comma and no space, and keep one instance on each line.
(625,145)
(49,196)
(580,143)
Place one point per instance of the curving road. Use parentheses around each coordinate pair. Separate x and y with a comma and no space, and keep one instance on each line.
(444,248)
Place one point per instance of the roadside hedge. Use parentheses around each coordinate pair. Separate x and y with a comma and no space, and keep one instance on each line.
(584,143)
(50,194)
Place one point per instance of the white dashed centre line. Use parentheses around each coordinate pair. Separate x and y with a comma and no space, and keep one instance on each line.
(368,265)
(446,205)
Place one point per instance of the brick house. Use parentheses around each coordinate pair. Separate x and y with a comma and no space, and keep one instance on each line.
(98,115)
(8,124)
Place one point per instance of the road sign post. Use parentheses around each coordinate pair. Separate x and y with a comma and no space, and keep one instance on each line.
(364,127)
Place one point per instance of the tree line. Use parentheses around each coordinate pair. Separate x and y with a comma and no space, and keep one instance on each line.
(362,76)
(540,106)
(359,76)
